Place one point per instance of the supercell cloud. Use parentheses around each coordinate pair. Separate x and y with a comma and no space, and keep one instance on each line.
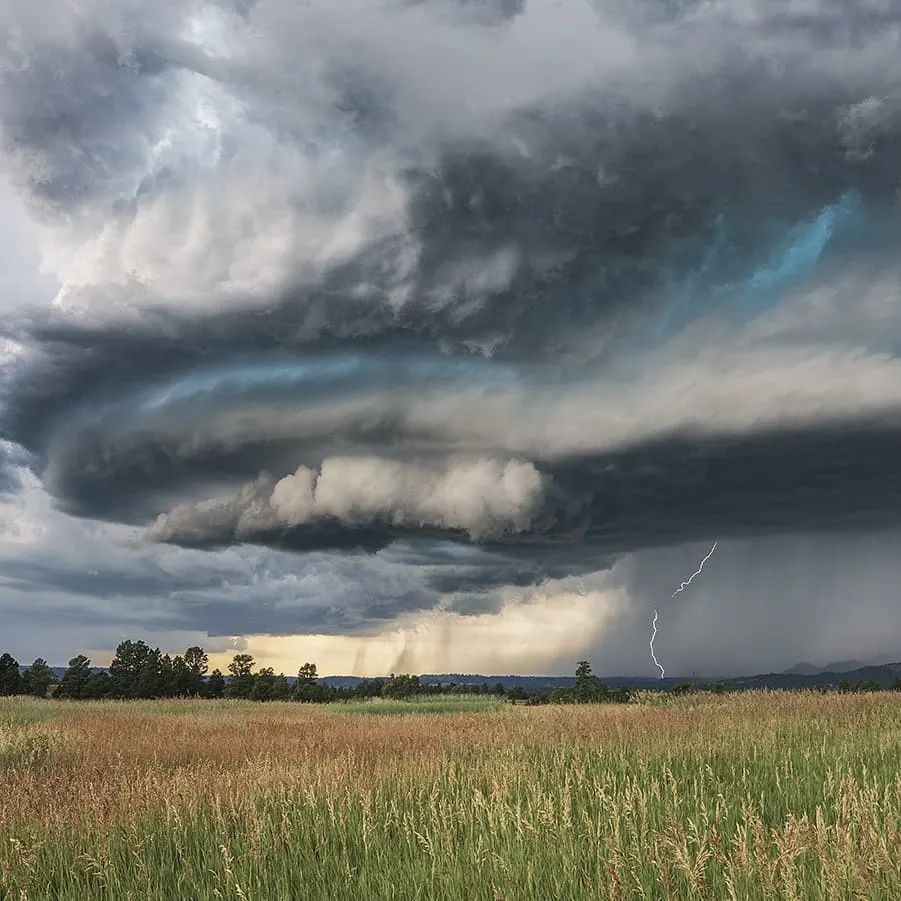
(447,298)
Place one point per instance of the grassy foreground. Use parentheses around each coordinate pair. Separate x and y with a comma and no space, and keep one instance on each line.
(758,795)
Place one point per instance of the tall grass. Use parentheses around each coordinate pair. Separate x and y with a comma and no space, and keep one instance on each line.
(762,795)
(417,706)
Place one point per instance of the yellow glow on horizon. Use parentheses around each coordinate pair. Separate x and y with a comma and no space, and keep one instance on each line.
(541,633)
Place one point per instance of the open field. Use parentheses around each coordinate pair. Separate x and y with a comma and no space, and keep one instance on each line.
(755,795)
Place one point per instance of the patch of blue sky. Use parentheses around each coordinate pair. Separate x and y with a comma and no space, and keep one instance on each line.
(799,255)
(318,375)
(688,295)
(242,377)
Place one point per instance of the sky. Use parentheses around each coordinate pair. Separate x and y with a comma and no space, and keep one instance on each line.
(444,335)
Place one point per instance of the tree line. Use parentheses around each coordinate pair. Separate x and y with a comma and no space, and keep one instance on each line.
(140,671)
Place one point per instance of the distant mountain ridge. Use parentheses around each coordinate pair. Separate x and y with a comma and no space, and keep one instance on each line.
(801,675)
(804,669)
(839,666)
(884,675)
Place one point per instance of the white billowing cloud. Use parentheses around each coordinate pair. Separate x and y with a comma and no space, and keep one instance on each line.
(294,497)
(21,280)
(246,513)
(237,167)
(713,392)
(229,153)
(226,213)
(482,496)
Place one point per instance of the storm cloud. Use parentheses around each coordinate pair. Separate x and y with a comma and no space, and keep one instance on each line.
(481,296)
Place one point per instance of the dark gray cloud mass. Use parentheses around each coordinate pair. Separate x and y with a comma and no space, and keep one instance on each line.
(490,294)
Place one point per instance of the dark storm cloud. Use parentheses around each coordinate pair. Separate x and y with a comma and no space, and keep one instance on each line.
(348,615)
(839,478)
(30,577)
(104,574)
(79,102)
(764,604)
(561,284)
(842,477)
(210,605)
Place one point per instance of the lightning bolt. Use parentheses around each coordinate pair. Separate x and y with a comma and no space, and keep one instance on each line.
(651,643)
(697,572)
(681,588)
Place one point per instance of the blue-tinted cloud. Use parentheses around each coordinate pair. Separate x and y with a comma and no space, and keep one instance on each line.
(802,249)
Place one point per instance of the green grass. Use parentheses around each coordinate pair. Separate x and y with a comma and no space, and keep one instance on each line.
(422,705)
(25,711)
(756,796)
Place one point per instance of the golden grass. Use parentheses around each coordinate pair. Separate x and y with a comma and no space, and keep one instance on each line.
(763,794)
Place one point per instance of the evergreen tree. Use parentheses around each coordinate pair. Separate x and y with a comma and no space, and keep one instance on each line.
(215,684)
(99,685)
(267,686)
(154,677)
(10,677)
(37,678)
(183,681)
(281,689)
(128,667)
(369,688)
(263,684)
(401,686)
(307,673)
(240,685)
(588,687)
(197,662)
(74,683)
(308,688)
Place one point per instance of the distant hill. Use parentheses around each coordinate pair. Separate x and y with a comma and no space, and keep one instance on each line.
(801,675)
(803,669)
(884,675)
(839,666)
(844,666)
(528,683)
